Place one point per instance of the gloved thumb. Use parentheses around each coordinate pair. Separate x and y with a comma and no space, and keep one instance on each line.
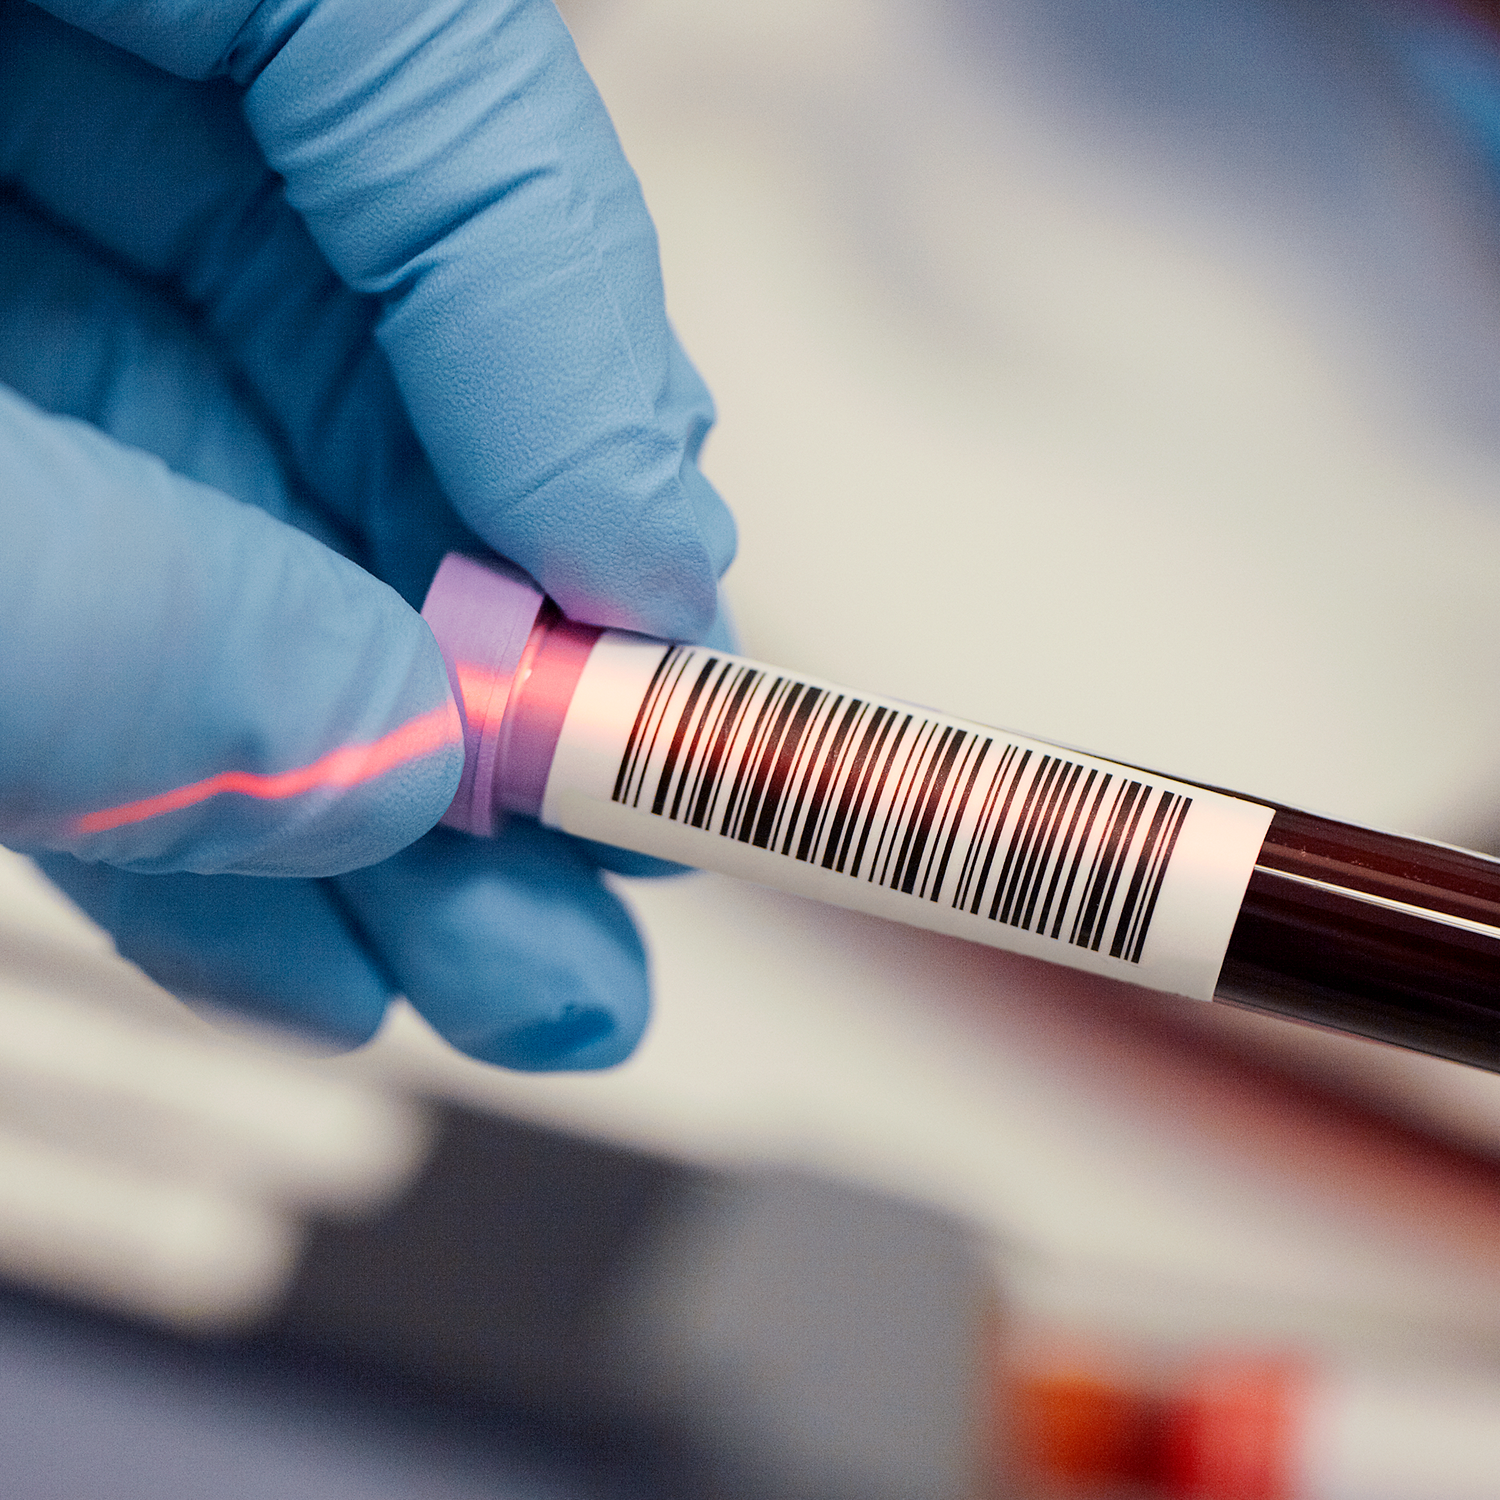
(189,684)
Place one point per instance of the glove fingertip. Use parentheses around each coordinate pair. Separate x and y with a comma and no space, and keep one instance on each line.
(513,950)
(576,1030)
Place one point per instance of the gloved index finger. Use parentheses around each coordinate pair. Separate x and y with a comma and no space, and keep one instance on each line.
(452,158)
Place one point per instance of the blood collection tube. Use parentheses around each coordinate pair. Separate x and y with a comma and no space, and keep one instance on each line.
(696,755)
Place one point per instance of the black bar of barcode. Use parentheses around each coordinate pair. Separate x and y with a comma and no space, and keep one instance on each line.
(1021,836)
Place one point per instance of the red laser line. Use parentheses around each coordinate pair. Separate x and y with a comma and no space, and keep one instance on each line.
(347,766)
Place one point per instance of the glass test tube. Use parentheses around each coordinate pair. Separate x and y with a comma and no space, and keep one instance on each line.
(696,755)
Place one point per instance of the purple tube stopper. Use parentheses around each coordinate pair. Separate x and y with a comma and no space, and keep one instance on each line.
(482,614)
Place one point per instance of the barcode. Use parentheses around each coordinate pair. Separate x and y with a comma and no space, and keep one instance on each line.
(1018,834)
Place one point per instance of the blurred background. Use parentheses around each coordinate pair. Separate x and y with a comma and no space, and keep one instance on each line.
(1120,371)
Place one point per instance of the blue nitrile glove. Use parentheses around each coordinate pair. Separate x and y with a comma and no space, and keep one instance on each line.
(369,279)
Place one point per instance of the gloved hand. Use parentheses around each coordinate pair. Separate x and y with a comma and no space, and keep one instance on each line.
(296,296)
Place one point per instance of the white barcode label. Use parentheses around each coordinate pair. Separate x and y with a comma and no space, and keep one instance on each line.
(727,764)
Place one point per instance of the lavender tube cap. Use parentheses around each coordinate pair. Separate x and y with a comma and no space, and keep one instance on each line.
(513,662)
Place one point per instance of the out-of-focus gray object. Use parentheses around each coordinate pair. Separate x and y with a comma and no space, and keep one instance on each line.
(93,1410)
(788,1335)
(826,1336)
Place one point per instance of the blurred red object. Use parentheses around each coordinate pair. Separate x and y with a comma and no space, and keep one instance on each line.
(1231,1433)
(1225,1429)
